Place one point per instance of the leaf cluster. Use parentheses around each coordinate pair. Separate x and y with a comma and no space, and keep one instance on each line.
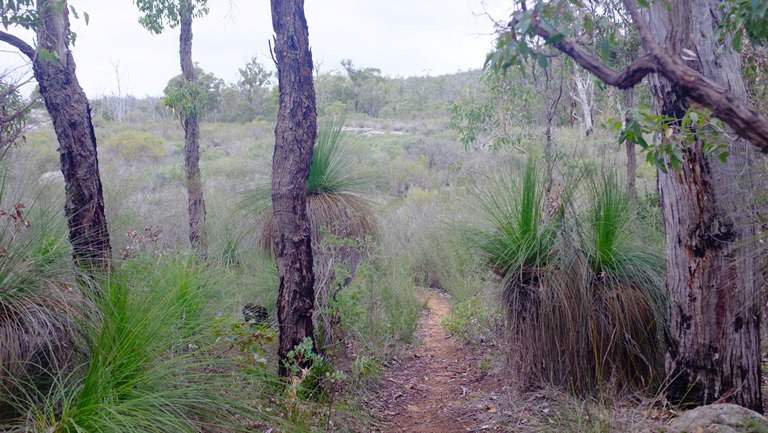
(742,17)
(186,98)
(671,136)
(24,13)
(157,14)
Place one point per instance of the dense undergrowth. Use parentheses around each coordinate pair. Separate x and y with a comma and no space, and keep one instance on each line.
(162,345)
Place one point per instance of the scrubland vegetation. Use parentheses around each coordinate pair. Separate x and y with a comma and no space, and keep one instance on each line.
(161,345)
(513,190)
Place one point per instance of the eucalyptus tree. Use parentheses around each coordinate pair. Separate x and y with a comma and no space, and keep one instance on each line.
(54,69)
(295,134)
(369,88)
(186,100)
(254,80)
(713,332)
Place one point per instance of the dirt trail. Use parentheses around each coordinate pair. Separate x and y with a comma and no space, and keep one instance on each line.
(438,387)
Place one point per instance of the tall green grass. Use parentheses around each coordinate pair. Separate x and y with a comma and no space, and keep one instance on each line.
(39,298)
(145,371)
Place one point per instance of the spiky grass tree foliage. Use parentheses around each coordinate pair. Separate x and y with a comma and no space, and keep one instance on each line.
(519,244)
(39,301)
(342,223)
(626,281)
(138,376)
(585,299)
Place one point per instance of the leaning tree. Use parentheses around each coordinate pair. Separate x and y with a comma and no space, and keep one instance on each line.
(713,336)
(54,69)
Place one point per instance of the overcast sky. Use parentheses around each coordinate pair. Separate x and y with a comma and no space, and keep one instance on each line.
(400,37)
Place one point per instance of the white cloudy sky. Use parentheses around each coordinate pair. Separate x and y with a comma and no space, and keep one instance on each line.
(401,37)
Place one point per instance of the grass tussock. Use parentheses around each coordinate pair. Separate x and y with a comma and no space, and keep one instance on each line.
(585,298)
(147,369)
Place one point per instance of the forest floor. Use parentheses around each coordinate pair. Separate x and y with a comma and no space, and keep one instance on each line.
(445,386)
(438,387)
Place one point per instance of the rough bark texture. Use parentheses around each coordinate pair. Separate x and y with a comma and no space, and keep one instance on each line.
(629,103)
(71,116)
(196,204)
(713,348)
(294,141)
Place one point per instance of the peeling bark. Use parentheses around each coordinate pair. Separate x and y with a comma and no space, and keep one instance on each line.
(585,96)
(713,340)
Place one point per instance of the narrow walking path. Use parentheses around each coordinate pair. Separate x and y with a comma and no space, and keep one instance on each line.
(439,386)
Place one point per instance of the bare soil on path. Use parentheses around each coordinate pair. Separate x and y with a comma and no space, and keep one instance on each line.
(439,386)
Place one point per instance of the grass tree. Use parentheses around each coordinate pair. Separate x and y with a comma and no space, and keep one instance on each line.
(713,349)
(585,299)
(39,302)
(341,221)
(186,100)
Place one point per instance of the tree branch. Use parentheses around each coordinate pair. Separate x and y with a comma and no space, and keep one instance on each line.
(743,119)
(22,46)
(629,77)
(17,113)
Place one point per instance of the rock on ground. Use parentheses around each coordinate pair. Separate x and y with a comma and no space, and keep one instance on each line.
(719,418)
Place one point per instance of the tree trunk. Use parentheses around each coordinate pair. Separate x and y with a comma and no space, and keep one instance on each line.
(198,236)
(295,134)
(713,348)
(549,146)
(71,116)
(585,96)
(629,103)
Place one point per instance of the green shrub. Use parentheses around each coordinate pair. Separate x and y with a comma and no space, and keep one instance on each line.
(470,320)
(133,144)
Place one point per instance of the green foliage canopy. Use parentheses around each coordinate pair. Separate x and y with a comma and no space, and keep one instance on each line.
(160,13)
(186,98)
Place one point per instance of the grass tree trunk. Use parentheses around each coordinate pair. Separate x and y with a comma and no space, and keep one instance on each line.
(295,134)
(71,116)
(713,347)
(196,204)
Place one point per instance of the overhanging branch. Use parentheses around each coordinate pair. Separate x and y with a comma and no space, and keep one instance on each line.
(625,79)
(19,44)
(743,119)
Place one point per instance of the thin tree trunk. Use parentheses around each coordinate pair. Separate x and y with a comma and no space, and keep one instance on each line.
(713,347)
(71,116)
(295,134)
(549,146)
(585,96)
(629,103)
(198,236)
